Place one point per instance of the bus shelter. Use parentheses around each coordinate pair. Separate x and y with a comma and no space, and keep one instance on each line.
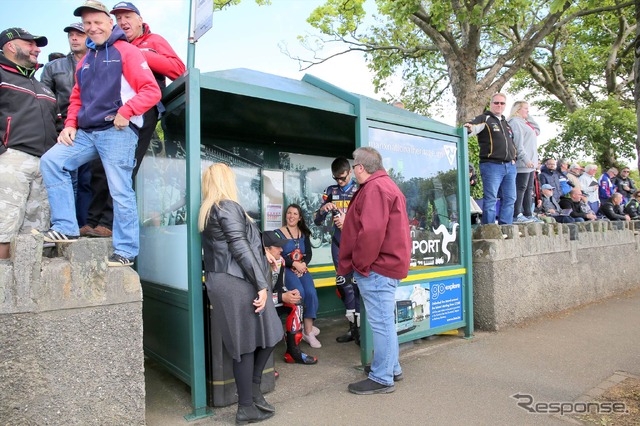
(280,137)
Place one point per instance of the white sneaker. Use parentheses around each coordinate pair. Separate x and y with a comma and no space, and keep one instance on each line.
(522,219)
(315,331)
(311,340)
(535,219)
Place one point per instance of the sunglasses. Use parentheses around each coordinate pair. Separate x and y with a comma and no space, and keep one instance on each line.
(499,103)
(341,179)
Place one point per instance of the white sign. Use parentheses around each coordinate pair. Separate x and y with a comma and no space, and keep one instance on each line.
(201,18)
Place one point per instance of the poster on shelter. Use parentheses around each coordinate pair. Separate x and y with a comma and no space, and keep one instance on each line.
(446,302)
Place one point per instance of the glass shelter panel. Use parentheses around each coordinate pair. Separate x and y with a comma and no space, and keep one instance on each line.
(162,200)
(426,170)
(306,177)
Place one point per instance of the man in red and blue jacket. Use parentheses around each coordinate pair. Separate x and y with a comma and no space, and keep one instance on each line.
(114,88)
(163,62)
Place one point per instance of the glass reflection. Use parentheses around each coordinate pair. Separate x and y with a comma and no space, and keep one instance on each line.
(425,170)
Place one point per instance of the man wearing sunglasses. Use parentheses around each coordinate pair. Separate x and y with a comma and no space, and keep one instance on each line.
(497,160)
(335,200)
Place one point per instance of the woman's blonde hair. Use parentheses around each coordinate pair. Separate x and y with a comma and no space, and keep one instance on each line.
(517,106)
(218,183)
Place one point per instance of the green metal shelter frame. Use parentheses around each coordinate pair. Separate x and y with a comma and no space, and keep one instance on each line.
(313,117)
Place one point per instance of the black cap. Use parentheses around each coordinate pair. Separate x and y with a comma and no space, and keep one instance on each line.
(22,34)
(271,239)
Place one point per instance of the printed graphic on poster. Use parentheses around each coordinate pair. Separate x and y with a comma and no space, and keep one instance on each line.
(446,302)
(412,308)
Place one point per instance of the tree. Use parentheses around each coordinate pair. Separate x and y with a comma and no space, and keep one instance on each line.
(471,48)
(588,67)
(636,94)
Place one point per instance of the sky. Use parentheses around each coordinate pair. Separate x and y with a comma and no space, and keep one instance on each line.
(243,36)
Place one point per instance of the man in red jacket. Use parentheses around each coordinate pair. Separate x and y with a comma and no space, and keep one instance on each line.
(164,62)
(376,247)
(114,88)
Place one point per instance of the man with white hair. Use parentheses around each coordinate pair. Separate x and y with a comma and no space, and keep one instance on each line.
(589,185)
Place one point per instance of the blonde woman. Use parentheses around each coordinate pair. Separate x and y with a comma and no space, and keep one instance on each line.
(237,286)
(525,136)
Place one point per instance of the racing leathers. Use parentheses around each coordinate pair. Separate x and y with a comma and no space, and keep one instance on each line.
(293,323)
(345,284)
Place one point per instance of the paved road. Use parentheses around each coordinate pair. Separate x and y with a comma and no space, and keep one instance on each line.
(448,380)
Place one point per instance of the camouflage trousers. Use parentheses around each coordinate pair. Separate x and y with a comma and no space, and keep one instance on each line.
(23,197)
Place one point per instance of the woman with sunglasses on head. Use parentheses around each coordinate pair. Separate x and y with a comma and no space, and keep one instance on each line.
(297,255)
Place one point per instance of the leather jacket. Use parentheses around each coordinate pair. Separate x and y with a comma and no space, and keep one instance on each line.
(232,244)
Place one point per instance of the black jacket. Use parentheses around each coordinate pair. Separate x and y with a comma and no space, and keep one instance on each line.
(633,209)
(611,211)
(232,244)
(28,111)
(59,76)
(495,138)
(576,211)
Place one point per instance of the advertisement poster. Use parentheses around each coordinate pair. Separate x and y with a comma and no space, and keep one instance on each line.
(273,199)
(446,302)
(422,306)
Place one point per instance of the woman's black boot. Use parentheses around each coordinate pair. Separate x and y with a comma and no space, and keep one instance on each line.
(251,414)
(259,401)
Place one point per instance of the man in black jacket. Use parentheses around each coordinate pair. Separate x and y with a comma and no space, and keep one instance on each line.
(497,160)
(573,203)
(625,184)
(28,113)
(612,209)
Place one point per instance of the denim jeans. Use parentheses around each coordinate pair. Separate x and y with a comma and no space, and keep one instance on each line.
(116,149)
(379,296)
(496,177)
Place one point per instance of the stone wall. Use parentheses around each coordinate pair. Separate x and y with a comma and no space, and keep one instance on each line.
(528,270)
(70,336)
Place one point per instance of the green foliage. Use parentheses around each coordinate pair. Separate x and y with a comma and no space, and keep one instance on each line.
(223,4)
(605,130)
(474,160)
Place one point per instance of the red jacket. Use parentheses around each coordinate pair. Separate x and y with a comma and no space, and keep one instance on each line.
(375,234)
(162,59)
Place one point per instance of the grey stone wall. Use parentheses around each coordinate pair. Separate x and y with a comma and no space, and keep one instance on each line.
(528,270)
(70,336)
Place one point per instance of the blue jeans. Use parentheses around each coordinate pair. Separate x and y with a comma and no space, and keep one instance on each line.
(379,296)
(307,289)
(116,149)
(496,177)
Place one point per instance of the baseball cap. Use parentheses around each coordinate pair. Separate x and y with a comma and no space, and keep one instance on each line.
(271,239)
(547,186)
(76,26)
(22,34)
(91,4)
(124,6)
